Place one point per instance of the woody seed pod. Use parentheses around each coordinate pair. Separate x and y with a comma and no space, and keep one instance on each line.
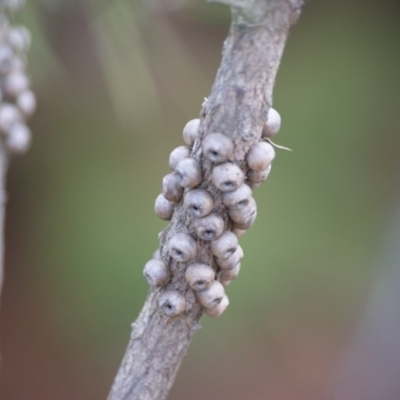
(26,102)
(247,224)
(19,38)
(238,198)
(198,202)
(258,177)
(273,123)
(178,155)
(9,115)
(218,309)
(199,276)
(260,156)
(191,131)
(156,273)
(232,261)
(15,83)
(6,59)
(164,208)
(217,147)
(188,173)
(18,138)
(171,303)
(245,216)
(226,276)
(227,177)
(225,245)
(172,190)
(182,247)
(212,296)
(238,232)
(209,227)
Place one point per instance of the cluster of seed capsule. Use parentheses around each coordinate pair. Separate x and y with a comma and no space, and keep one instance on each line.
(17,102)
(182,186)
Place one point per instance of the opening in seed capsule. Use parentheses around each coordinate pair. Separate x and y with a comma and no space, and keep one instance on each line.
(230,251)
(177,253)
(229,184)
(243,203)
(216,301)
(201,285)
(209,233)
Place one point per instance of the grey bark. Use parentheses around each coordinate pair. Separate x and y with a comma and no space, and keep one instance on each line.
(238,105)
(3,198)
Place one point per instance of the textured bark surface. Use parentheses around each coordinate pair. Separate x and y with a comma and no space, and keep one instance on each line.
(3,199)
(238,105)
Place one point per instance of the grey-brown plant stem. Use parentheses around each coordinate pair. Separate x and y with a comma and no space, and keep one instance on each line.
(3,198)
(237,106)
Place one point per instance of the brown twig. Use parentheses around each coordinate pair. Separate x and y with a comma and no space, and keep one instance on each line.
(238,105)
(3,198)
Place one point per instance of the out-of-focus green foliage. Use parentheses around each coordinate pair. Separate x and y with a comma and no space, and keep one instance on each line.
(116,82)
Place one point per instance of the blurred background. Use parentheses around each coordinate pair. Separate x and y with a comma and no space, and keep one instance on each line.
(116,82)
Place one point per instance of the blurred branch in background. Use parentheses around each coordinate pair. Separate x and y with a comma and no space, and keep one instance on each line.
(370,368)
(17,101)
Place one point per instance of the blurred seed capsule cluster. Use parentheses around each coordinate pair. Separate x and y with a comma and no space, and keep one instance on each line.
(183,186)
(17,101)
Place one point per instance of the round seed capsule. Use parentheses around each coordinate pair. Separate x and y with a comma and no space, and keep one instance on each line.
(232,261)
(227,177)
(238,198)
(198,202)
(172,190)
(244,217)
(18,138)
(217,147)
(218,309)
(209,227)
(238,232)
(6,59)
(188,173)
(171,303)
(164,208)
(273,123)
(199,276)
(19,38)
(15,83)
(191,131)
(26,102)
(244,226)
(225,245)
(178,155)
(258,177)
(182,247)
(156,273)
(226,276)
(260,156)
(244,214)
(212,296)
(9,115)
